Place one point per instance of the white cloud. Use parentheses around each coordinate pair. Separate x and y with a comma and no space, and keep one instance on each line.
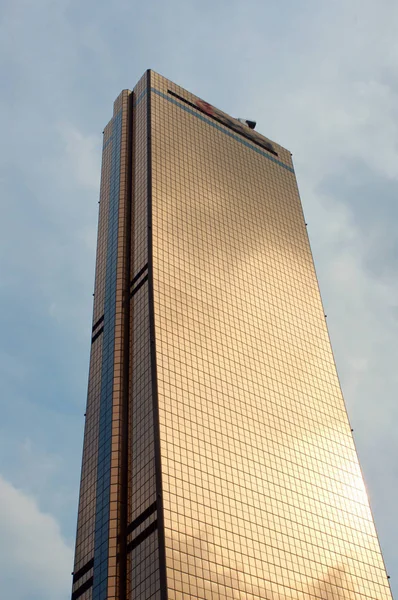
(36,561)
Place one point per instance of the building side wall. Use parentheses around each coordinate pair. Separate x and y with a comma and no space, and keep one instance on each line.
(263,494)
(102,496)
(143,516)
(117,431)
(84,551)
(218,459)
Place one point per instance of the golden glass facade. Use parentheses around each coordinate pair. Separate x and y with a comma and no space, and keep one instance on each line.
(218,457)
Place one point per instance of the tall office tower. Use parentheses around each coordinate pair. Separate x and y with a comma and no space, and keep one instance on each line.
(218,458)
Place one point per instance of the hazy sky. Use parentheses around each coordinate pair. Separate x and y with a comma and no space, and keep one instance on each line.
(321,78)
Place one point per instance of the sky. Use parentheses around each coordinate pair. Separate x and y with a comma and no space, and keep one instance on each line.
(320,78)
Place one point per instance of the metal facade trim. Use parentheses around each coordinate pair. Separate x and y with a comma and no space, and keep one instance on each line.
(156,425)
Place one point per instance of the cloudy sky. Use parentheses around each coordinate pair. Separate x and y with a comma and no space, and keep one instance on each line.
(320,78)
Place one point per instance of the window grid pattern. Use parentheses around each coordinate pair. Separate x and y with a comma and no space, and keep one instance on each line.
(143,567)
(102,519)
(117,513)
(102,499)
(84,550)
(263,494)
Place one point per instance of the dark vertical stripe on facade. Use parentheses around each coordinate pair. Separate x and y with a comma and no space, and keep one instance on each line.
(101,534)
(125,415)
(159,494)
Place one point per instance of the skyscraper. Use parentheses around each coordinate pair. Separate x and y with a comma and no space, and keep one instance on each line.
(218,458)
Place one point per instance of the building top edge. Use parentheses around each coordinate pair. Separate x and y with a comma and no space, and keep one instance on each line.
(168,84)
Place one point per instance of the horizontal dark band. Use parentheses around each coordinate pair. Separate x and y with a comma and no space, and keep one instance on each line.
(97,334)
(139,286)
(100,320)
(138,275)
(142,536)
(83,570)
(142,517)
(83,588)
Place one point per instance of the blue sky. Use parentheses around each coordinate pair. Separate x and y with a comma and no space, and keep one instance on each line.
(321,79)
